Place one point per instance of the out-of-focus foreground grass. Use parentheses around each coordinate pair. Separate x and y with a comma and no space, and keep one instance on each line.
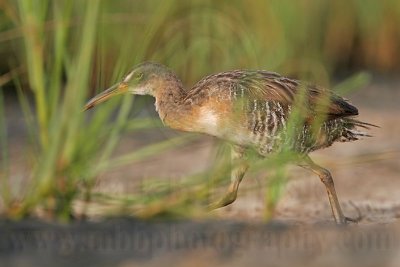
(55,54)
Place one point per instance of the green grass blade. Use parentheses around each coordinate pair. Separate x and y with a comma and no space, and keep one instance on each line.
(5,191)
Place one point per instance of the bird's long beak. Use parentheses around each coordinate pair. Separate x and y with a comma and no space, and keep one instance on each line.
(116,89)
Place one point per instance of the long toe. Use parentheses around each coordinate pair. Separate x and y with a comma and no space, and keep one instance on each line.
(348,220)
(225,201)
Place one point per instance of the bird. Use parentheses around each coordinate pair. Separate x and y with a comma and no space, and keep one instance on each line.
(250,109)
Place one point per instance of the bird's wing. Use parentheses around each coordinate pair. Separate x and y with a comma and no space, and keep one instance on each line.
(270,86)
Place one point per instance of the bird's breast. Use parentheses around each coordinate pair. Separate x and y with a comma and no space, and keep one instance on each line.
(214,117)
(208,121)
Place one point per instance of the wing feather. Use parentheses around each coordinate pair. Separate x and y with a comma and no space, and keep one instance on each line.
(264,85)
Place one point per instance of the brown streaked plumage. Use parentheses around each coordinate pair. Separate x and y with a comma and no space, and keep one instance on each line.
(250,109)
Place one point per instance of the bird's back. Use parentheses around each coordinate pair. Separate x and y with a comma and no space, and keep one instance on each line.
(253,108)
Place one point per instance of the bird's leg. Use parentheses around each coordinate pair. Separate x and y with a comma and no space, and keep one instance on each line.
(326,178)
(239,168)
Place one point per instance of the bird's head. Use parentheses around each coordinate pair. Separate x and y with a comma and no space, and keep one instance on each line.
(144,79)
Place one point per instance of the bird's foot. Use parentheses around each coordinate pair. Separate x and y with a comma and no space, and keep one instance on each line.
(229,198)
(213,206)
(347,220)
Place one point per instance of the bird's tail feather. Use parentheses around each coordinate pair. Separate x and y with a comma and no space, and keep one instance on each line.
(350,131)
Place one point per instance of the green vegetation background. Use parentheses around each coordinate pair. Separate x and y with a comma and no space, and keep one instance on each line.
(56,54)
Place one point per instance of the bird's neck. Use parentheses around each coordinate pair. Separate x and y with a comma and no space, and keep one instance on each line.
(170,105)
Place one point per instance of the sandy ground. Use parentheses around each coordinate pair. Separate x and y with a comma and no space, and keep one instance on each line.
(366,172)
(366,175)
